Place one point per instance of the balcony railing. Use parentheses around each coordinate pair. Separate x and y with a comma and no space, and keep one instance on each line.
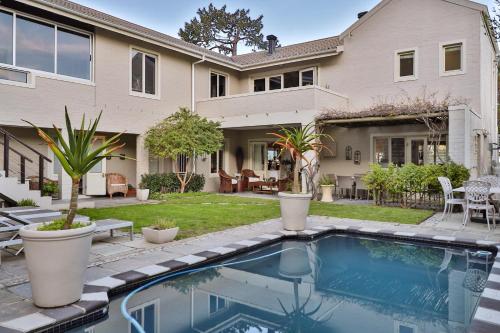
(309,98)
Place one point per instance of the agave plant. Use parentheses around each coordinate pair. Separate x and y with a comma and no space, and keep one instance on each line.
(76,154)
(298,141)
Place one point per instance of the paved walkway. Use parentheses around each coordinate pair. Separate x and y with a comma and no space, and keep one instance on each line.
(115,255)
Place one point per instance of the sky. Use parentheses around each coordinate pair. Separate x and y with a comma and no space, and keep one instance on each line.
(293,21)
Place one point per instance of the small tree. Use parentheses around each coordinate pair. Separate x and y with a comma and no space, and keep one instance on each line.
(220,30)
(184,133)
(77,155)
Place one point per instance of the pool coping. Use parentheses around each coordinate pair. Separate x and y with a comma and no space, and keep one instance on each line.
(93,306)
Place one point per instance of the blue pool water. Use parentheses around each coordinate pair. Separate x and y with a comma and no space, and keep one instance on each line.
(338,283)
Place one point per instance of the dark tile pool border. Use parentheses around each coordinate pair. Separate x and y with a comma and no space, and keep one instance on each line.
(94,304)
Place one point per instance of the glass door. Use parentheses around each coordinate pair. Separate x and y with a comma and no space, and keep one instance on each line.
(258,157)
(417,150)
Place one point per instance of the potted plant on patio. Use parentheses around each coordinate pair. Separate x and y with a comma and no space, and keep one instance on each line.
(162,232)
(142,193)
(327,186)
(304,145)
(57,252)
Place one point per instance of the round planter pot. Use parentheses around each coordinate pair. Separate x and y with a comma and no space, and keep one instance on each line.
(159,236)
(142,195)
(56,263)
(327,191)
(294,210)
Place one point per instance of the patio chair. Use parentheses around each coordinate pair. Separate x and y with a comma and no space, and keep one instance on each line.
(228,184)
(116,183)
(477,195)
(449,200)
(248,177)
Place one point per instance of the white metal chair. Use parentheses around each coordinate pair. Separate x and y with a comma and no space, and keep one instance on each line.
(449,200)
(494,181)
(477,198)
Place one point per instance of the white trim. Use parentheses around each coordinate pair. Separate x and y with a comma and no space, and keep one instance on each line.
(218,73)
(141,307)
(397,64)
(463,58)
(30,78)
(313,69)
(145,52)
(408,136)
(56,25)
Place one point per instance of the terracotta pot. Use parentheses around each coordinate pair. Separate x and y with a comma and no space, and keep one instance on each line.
(56,262)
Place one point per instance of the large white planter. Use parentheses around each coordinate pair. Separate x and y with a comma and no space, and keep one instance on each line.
(159,236)
(56,263)
(294,210)
(142,194)
(327,191)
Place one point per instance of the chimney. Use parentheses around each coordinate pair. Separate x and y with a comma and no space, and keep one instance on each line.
(271,43)
(361,14)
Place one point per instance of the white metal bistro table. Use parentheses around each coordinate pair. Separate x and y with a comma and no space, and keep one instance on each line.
(493,190)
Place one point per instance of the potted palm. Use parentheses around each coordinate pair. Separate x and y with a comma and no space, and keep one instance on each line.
(304,145)
(162,232)
(327,185)
(57,252)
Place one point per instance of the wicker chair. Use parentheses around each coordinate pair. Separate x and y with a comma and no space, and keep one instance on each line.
(228,184)
(116,183)
(248,177)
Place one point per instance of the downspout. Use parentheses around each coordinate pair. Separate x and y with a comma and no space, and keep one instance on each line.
(193,64)
(192,82)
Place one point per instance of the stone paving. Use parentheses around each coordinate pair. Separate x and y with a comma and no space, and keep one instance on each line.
(110,256)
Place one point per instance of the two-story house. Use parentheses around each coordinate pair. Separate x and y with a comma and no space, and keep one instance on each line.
(56,53)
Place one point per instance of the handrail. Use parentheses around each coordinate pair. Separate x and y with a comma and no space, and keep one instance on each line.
(25,145)
(20,154)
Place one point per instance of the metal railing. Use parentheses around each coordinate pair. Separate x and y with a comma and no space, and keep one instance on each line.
(7,139)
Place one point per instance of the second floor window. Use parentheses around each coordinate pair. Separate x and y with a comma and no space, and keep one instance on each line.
(453,57)
(218,84)
(144,72)
(294,79)
(34,44)
(405,66)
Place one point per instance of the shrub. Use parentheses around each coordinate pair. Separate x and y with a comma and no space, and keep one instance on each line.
(169,183)
(27,203)
(411,180)
(163,224)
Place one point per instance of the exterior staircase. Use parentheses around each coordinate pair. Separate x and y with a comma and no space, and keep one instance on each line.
(11,190)
(14,185)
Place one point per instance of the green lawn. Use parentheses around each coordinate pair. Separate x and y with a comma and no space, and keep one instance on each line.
(200,213)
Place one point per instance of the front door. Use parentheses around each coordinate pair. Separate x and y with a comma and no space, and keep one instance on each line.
(95,180)
(416,150)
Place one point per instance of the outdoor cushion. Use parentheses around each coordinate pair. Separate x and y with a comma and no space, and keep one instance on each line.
(234,181)
(253,179)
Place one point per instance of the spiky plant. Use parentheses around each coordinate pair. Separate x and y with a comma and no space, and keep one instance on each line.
(76,154)
(298,141)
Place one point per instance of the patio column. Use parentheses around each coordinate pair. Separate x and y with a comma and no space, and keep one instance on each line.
(64,179)
(142,158)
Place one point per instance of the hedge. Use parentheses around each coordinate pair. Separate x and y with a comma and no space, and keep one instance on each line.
(411,182)
(169,183)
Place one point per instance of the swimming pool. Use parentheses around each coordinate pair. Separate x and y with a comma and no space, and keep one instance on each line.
(337,283)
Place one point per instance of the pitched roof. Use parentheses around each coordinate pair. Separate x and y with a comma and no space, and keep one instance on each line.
(312,48)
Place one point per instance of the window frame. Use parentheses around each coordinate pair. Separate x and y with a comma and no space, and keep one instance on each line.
(141,307)
(408,136)
(218,73)
(224,159)
(463,59)
(313,69)
(50,75)
(145,52)
(281,74)
(397,65)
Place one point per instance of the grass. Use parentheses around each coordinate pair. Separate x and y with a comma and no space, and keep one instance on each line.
(199,213)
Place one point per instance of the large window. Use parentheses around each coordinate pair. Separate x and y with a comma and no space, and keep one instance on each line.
(143,73)
(399,150)
(217,84)
(29,43)
(452,58)
(305,77)
(6,40)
